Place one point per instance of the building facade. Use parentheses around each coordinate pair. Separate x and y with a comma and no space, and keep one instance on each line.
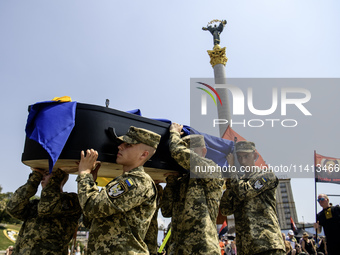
(285,205)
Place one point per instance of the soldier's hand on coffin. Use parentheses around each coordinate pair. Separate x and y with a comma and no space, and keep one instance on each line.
(230,159)
(95,170)
(87,162)
(176,127)
(42,171)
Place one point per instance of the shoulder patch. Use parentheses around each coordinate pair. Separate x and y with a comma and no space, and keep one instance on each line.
(129,182)
(259,183)
(119,188)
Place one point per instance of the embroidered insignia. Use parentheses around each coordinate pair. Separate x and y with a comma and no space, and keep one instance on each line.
(258,184)
(117,189)
(129,182)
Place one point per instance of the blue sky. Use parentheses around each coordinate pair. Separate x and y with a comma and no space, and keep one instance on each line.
(142,54)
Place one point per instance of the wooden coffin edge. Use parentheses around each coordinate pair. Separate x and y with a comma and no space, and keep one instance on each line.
(107,170)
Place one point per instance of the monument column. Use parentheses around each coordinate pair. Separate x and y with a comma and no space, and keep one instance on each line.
(218,60)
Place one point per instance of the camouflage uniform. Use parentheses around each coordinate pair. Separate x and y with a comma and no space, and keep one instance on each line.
(49,223)
(120,213)
(152,234)
(252,200)
(193,204)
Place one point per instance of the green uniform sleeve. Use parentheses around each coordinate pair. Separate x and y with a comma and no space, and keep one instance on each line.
(86,221)
(160,195)
(119,196)
(178,150)
(19,202)
(169,192)
(181,154)
(227,205)
(200,167)
(213,191)
(55,202)
(210,182)
(254,186)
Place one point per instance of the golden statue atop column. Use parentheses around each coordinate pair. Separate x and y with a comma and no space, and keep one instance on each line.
(218,54)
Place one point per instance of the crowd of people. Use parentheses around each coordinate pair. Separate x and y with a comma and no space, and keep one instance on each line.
(228,247)
(314,245)
(122,216)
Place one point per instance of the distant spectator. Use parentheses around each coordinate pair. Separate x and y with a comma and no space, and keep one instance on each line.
(291,238)
(84,250)
(307,245)
(329,219)
(9,250)
(299,249)
(78,250)
(288,247)
(222,247)
(322,246)
(227,247)
(233,250)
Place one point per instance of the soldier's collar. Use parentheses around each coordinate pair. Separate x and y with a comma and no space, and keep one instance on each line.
(137,169)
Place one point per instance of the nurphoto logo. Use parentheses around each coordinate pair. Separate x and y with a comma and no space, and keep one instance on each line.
(204,97)
(294,97)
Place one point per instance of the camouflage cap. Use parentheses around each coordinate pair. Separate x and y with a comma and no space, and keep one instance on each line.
(141,135)
(194,141)
(245,146)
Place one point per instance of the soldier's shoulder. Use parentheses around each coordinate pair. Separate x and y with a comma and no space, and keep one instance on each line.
(136,181)
(202,161)
(140,176)
(265,173)
(208,161)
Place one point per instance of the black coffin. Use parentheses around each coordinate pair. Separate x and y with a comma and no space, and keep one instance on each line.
(93,129)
